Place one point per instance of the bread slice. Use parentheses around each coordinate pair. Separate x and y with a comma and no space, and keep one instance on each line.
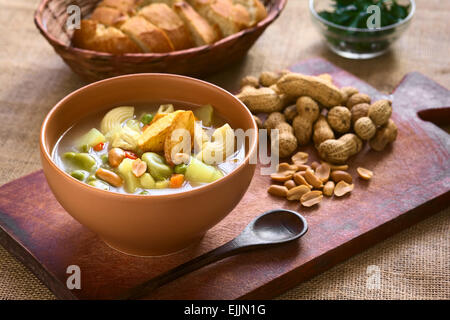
(109,16)
(144,3)
(162,16)
(146,35)
(241,16)
(222,14)
(201,31)
(126,6)
(95,36)
(255,8)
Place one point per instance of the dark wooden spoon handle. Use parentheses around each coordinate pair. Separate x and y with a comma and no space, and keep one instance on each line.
(226,250)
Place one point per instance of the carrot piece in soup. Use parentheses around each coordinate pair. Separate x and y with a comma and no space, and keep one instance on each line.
(176,181)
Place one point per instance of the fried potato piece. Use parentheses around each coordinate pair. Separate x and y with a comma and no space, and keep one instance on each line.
(152,139)
(179,141)
(157,117)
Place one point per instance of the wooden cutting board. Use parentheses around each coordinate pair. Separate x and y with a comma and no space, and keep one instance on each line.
(411,182)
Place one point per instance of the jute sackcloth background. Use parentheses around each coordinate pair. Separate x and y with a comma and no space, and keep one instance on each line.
(414,264)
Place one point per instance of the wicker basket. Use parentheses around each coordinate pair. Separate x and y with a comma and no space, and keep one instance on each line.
(51,15)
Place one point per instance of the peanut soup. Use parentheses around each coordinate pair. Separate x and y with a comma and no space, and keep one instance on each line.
(149,149)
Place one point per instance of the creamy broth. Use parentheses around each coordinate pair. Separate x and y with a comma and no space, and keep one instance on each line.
(68,143)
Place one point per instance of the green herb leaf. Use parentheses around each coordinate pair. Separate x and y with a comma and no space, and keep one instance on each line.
(349,13)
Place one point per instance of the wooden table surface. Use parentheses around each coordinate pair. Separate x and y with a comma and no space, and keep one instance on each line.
(414,264)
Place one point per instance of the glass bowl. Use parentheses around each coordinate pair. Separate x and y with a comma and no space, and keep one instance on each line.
(357,43)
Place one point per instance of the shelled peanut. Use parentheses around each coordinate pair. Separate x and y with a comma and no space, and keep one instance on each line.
(308,183)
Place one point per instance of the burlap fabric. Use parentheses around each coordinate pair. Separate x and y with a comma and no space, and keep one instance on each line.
(411,265)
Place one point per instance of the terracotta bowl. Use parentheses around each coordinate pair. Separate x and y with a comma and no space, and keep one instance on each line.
(153,224)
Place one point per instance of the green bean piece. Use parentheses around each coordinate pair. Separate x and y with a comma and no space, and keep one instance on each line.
(91,178)
(69,155)
(99,184)
(157,166)
(79,174)
(180,168)
(104,158)
(147,118)
(144,192)
(85,148)
(84,161)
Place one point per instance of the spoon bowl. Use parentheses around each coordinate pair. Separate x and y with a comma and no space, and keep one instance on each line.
(278,226)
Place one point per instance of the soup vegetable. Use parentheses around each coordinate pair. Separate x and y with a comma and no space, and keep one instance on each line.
(157,152)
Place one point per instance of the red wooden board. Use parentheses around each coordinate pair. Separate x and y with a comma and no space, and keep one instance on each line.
(411,182)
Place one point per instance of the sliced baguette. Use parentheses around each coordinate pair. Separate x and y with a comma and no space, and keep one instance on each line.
(126,6)
(109,16)
(144,3)
(255,8)
(121,26)
(162,16)
(241,16)
(95,36)
(201,31)
(223,15)
(146,35)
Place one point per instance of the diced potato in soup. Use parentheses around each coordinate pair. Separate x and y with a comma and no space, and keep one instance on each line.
(149,150)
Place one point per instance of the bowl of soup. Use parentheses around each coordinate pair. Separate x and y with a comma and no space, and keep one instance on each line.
(149,162)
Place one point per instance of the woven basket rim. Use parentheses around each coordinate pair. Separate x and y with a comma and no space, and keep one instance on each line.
(274,12)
